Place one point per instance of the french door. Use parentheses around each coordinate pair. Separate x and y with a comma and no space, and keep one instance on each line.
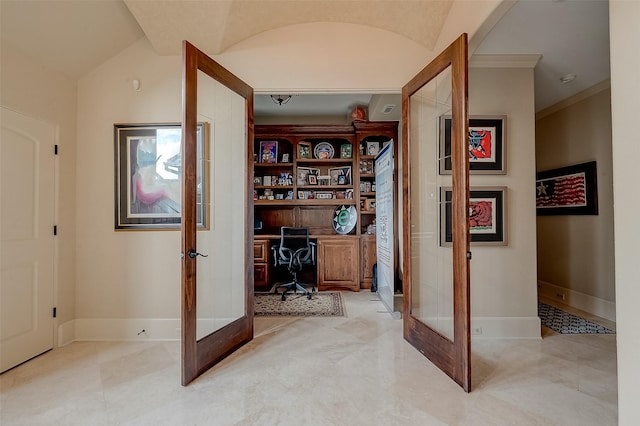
(435,270)
(217,300)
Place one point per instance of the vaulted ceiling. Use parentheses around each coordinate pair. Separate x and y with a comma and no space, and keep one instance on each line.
(74,37)
(217,25)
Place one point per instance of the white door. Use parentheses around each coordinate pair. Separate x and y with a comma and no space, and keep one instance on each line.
(26,230)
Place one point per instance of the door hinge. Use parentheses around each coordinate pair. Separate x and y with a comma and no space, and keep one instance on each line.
(55,312)
(55,149)
(55,229)
(469,255)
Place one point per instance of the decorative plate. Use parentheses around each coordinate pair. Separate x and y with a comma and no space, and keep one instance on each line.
(323,151)
(344,219)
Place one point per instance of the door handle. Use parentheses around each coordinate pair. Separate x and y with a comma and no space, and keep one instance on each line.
(193,254)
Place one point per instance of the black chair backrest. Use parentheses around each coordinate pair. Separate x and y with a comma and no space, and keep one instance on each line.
(294,238)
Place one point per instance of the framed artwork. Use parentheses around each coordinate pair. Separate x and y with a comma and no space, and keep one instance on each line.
(304,150)
(372,148)
(346,150)
(268,152)
(312,179)
(571,190)
(487,215)
(303,173)
(487,134)
(340,175)
(148,174)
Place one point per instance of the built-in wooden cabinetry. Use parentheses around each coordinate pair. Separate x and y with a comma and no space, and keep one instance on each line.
(261,262)
(302,174)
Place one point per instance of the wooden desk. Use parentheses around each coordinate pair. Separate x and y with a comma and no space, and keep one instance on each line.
(337,260)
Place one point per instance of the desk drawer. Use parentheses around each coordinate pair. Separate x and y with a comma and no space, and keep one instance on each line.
(261,251)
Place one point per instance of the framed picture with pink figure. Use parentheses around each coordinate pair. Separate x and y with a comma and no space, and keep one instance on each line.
(148,172)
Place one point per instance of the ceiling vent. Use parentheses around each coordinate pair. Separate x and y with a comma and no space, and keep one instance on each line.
(388,108)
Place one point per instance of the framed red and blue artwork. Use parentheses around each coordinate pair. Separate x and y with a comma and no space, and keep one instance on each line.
(570,190)
(487,215)
(486,144)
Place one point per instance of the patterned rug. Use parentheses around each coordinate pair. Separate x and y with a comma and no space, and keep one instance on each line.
(325,304)
(565,323)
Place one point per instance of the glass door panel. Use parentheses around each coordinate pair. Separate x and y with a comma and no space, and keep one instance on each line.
(432,272)
(217,279)
(436,263)
(221,295)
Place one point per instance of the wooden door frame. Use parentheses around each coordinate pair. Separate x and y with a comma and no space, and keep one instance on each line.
(200,355)
(454,358)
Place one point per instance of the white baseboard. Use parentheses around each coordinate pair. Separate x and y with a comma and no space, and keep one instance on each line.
(584,302)
(66,333)
(130,329)
(505,328)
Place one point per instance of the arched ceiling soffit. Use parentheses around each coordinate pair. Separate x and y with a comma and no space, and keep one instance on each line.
(214,26)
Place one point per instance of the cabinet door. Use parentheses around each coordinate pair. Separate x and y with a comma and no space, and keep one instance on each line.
(260,251)
(338,260)
(367,260)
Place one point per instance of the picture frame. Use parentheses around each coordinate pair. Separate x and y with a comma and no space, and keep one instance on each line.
(285,157)
(323,195)
(487,144)
(312,179)
(370,204)
(372,148)
(346,150)
(340,175)
(302,175)
(304,150)
(570,190)
(147,176)
(487,215)
(268,152)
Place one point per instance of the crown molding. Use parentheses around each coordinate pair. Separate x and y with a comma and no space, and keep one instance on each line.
(580,96)
(504,61)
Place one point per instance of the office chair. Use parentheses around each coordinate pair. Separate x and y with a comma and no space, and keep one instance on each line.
(294,251)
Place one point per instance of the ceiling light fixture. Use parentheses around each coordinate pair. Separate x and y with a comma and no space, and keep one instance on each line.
(280,99)
(568,78)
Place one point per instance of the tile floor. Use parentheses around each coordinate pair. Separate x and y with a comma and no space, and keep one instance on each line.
(355,370)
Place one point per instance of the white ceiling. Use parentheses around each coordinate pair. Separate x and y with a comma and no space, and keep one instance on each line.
(74,37)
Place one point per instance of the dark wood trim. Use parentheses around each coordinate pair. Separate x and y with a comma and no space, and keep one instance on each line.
(200,355)
(452,357)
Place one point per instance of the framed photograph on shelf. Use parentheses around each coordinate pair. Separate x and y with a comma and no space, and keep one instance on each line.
(148,175)
(303,173)
(304,150)
(324,195)
(313,179)
(370,204)
(285,158)
(571,190)
(346,150)
(487,215)
(487,141)
(372,148)
(340,175)
(269,152)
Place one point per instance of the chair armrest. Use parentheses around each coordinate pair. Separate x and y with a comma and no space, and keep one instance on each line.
(274,251)
(313,252)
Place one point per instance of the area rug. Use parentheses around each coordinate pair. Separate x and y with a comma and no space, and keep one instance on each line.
(565,323)
(324,304)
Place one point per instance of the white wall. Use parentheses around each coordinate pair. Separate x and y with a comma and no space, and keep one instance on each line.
(625,92)
(503,278)
(575,253)
(133,278)
(32,89)
(122,275)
